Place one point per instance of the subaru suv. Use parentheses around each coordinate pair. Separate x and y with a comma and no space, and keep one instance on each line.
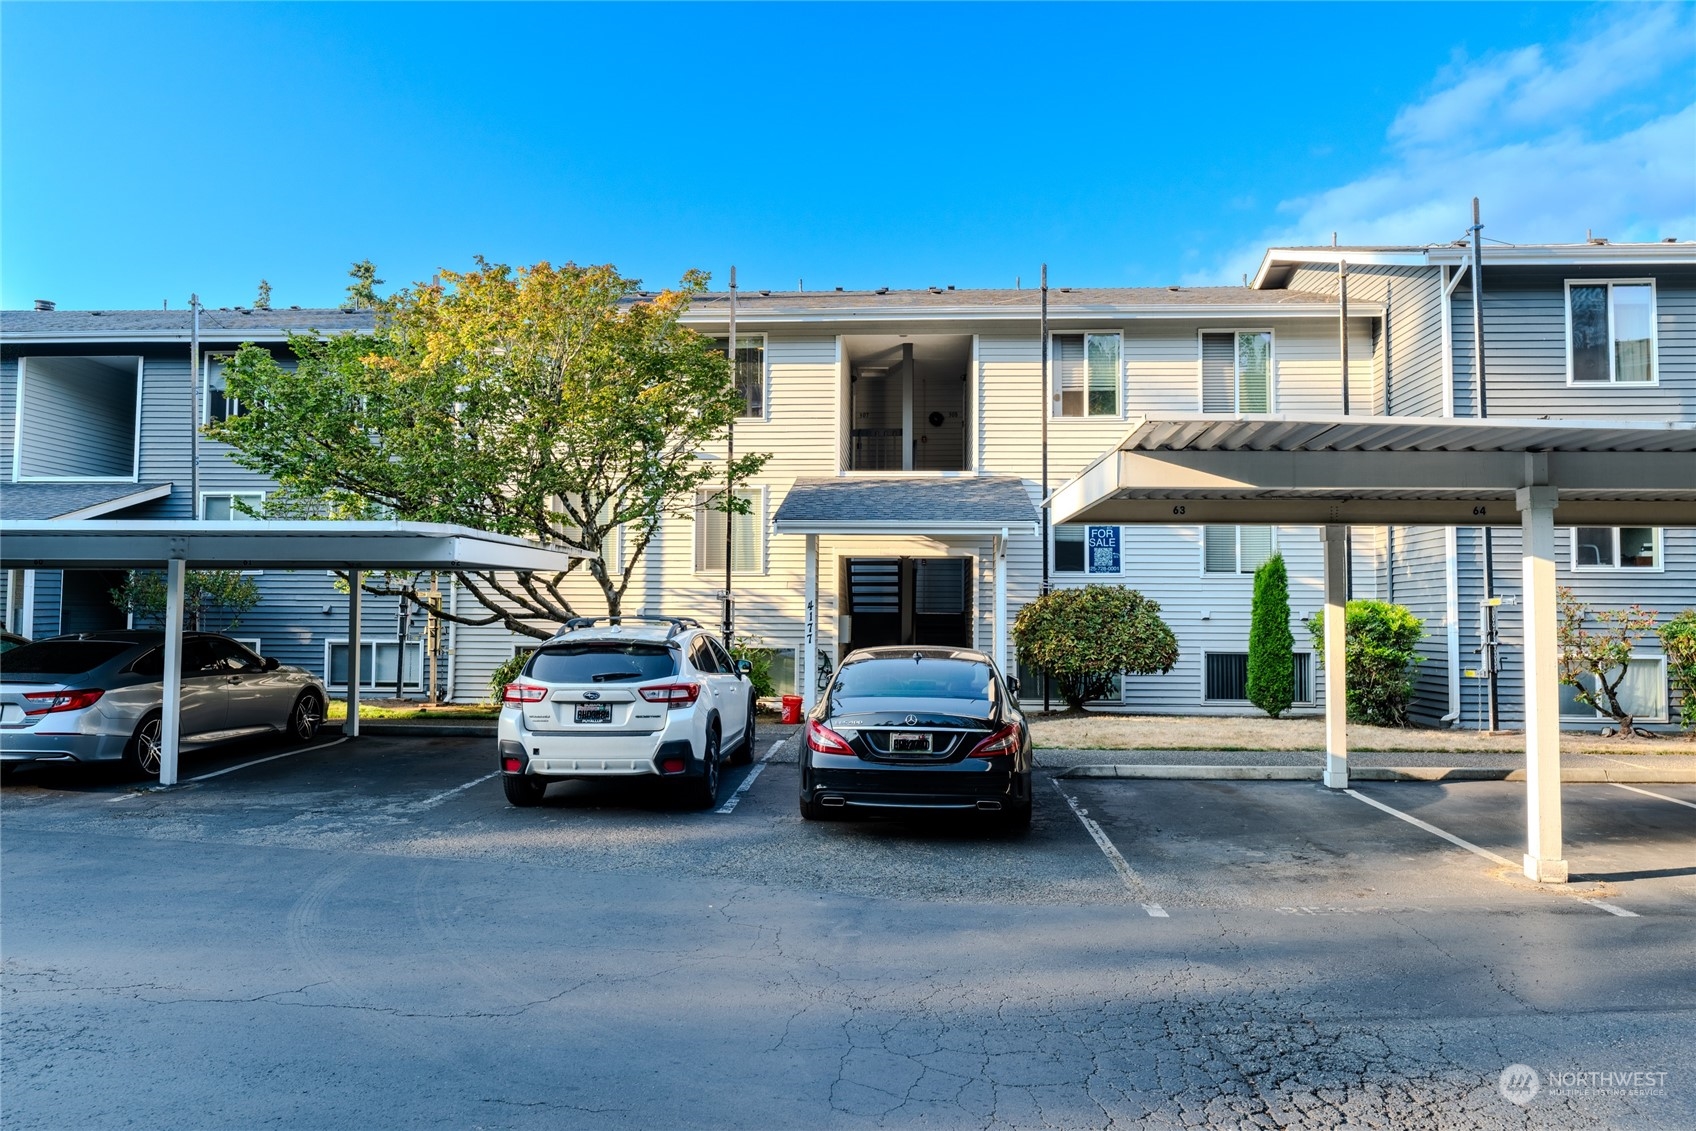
(625,697)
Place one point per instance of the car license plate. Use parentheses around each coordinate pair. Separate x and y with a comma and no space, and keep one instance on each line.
(909,743)
(594,712)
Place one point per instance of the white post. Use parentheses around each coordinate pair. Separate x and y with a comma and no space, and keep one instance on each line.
(999,644)
(1336,657)
(26,606)
(351,728)
(810,628)
(1543,857)
(171,718)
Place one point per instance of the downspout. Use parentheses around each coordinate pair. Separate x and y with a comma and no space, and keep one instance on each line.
(1046,408)
(1343,352)
(1489,611)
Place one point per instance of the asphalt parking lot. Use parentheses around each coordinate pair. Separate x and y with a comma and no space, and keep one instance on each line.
(363,933)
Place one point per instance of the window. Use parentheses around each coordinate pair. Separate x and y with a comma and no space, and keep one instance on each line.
(1236,371)
(750,373)
(1643,692)
(1236,549)
(1610,333)
(1088,549)
(377,664)
(747,528)
(1086,374)
(1616,547)
(1226,678)
(228,507)
(219,404)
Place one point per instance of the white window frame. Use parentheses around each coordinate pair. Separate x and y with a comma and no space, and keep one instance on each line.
(200,508)
(1236,369)
(249,642)
(1118,412)
(206,362)
(369,671)
(1613,381)
(765,372)
(1237,535)
(1053,556)
(1666,697)
(1619,566)
(18,430)
(759,517)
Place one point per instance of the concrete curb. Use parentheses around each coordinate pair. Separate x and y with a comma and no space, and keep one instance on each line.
(1578,775)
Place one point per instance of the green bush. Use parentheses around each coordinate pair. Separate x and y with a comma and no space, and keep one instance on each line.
(759,663)
(1381,638)
(1084,638)
(1678,640)
(505,674)
(1271,644)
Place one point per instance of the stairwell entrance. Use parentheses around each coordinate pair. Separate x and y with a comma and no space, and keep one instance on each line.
(895,601)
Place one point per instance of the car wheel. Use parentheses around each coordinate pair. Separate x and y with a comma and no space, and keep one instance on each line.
(744,752)
(304,717)
(812,811)
(524,790)
(704,789)
(1015,820)
(141,756)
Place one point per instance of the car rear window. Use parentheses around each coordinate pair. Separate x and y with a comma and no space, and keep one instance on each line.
(605,661)
(59,657)
(920,679)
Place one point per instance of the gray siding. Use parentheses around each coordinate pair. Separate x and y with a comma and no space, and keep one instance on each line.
(1415,355)
(8,415)
(1419,581)
(86,400)
(48,584)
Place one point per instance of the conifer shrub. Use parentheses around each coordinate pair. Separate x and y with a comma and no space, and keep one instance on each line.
(1271,644)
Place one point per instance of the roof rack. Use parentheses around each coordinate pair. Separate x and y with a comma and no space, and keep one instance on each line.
(678,624)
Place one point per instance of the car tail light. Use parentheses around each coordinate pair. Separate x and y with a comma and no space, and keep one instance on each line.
(512,765)
(53,701)
(671,766)
(523,693)
(827,741)
(674,695)
(998,745)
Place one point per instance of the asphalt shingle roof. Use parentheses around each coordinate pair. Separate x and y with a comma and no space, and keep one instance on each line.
(1025,302)
(121,325)
(26,502)
(985,499)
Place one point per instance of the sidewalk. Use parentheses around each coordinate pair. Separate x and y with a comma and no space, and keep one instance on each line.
(1389,765)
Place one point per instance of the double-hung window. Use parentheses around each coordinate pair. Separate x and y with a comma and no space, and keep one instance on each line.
(1616,547)
(1236,371)
(747,549)
(220,406)
(1086,374)
(228,507)
(750,372)
(1236,549)
(1610,332)
(1088,549)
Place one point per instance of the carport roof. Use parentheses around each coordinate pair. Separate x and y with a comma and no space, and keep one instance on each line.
(1208,468)
(957,505)
(259,544)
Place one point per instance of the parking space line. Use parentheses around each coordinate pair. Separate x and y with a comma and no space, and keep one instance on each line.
(447,793)
(1648,793)
(1610,908)
(1103,842)
(262,761)
(730,805)
(1434,830)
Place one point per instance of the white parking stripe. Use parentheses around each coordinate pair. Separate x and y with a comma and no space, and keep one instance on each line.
(1610,908)
(447,793)
(261,761)
(730,805)
(1103,842)
(1647,793)
(1433,829)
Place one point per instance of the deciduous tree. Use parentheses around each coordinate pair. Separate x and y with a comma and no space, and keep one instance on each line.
(1595,661)
(214,600)
(1084,638)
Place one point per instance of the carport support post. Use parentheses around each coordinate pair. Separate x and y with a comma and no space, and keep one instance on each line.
(1336,657)
(171,715)
(1544,861)
(999,644)
(810,628)
(351,728)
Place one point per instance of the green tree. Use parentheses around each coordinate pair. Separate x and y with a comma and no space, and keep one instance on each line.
(559,404)
(263,300)
(1380,639)
(362,292)
(1594,661)
(1678,641)
(214,600)
(1084,638)
(1271,644)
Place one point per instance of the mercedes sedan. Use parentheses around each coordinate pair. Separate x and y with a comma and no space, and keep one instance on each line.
(912,729)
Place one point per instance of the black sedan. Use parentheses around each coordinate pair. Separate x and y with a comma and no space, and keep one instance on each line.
(903,729)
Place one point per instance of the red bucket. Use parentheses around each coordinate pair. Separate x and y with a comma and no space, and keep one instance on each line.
(791,709)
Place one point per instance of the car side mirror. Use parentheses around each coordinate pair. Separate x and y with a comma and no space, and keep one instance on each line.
(1013,686)
(271,663)
(744,668)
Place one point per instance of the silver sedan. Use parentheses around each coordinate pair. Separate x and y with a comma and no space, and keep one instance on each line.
(96,697)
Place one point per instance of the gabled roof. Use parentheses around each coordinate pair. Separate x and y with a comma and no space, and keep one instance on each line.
(942,506)
(235,325)
(1279,262)
(25,501)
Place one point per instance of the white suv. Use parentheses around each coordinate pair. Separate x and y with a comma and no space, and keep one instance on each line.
(626,697)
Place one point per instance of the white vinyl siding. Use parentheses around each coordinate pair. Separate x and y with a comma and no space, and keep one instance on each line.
(746,531)
(1236,549)
(1236,371)
(1610,332)
(1086,369)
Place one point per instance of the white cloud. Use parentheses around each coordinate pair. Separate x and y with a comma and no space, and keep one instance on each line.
(1553,140)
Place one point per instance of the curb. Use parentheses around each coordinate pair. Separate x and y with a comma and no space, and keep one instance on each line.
(1576,775)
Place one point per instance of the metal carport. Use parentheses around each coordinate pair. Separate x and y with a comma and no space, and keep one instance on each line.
(259,544)
(1336,471)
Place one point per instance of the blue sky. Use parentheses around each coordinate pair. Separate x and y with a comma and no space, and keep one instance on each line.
(147,151)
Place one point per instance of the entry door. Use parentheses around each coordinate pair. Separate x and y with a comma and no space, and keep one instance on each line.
(895,601)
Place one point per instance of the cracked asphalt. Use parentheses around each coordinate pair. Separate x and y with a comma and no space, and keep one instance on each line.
(365,935)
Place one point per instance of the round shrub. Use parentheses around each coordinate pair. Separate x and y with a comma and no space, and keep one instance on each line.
(1084,638)
(1380,638)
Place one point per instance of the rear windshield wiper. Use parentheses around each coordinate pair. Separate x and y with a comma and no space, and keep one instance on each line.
(602,677)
